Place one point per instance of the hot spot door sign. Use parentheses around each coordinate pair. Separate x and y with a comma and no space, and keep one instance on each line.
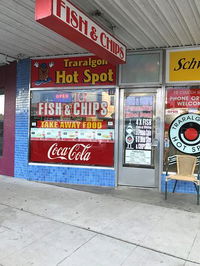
(65,19)
(184,133)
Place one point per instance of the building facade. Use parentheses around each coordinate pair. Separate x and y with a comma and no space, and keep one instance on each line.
(81,120)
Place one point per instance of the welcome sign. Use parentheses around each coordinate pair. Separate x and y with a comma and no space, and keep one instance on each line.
(67,20)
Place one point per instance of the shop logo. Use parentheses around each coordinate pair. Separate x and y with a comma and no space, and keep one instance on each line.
(184,133)
(129,136)
(43,72)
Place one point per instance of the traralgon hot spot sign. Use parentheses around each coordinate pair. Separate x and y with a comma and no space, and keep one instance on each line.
(67,20)
(184,133)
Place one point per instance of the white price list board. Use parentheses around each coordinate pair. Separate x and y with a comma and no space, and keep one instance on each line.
(140,157)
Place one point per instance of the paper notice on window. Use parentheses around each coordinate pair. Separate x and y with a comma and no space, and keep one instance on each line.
(140,157)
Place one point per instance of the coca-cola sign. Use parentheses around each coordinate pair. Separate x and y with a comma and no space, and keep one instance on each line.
(71,152)
(74,153)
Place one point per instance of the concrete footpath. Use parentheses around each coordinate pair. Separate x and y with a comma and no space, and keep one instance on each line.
(46,225)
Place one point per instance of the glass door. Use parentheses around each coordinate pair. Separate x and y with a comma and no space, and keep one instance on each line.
(139,139)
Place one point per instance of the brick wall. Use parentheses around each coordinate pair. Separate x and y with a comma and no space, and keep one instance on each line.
(70,175)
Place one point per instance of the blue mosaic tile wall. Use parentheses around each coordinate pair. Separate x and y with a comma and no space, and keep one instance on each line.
(84,176)
(181,187)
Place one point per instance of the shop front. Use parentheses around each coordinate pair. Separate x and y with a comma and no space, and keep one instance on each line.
(90,123)
(75,104)
(71,125)
(86,125)
(71,121)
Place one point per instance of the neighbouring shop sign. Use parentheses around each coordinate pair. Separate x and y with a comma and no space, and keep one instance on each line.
(184,133)
(69,21)
(72,71)
(183,65)
(183,98)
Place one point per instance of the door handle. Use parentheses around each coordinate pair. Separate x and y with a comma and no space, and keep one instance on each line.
(155,143)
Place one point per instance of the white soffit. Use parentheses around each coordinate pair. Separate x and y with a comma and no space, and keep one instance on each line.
(146,24)
(140,24)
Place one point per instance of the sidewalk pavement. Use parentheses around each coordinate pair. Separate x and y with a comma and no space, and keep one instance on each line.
(47,225)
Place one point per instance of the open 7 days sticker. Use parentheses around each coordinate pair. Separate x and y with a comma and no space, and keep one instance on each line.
(184,133)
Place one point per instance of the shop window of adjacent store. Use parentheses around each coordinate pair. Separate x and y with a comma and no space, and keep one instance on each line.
(141,68)
(72,127)
(182,121)
(2,106)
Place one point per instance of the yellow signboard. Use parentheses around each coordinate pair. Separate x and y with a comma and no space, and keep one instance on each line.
(183,65)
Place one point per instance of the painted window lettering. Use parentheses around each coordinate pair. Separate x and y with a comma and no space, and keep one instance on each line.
(73,109)
(72,126)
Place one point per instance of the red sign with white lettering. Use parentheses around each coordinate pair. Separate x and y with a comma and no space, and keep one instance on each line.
(72,71)
(69,21)
(183,98)
(82,153)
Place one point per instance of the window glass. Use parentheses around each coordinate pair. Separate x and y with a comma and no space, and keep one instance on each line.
(141,68)
(138,129)
(182,121)
(72,127)
(2,106)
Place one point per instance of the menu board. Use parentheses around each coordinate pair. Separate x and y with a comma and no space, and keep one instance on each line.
(138,129)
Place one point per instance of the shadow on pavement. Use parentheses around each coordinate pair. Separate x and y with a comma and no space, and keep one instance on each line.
(186,202)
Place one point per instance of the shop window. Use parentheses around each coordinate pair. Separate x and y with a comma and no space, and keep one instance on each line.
(141,68)
(72,127)
(182,121)
(2,106)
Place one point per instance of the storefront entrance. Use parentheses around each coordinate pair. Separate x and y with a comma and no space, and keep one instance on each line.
(139,137)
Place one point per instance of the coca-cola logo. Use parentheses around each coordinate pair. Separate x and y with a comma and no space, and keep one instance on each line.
(78,152)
